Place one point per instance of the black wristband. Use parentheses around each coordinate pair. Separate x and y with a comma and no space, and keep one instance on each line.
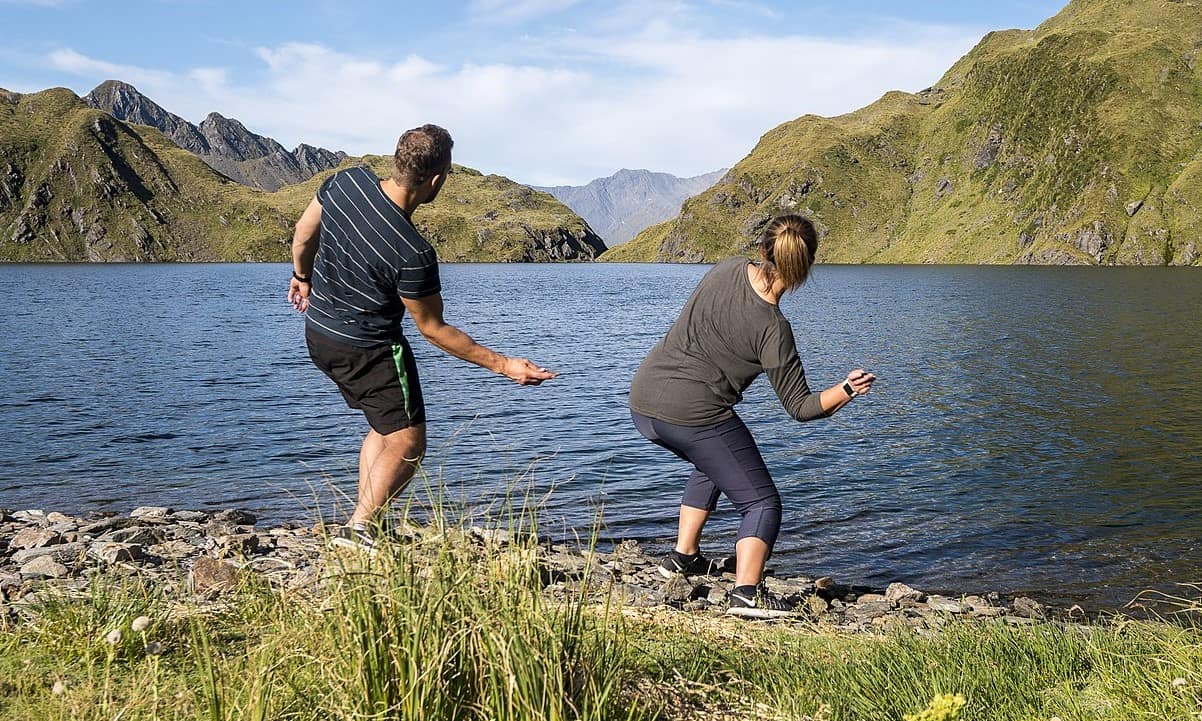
(301,279)
(851,393)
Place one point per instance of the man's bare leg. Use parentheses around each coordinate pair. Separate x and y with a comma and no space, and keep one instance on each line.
(386,464)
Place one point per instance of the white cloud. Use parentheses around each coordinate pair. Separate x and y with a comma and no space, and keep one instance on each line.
(580,107)
(72,62)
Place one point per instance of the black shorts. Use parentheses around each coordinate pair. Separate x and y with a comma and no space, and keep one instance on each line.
(381,380)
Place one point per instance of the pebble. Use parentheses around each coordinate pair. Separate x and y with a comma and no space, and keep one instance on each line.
(212,552)
(44,566)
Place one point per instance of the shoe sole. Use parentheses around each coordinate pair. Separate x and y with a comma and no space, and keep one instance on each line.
(347,543)
(717,568)
(757,613)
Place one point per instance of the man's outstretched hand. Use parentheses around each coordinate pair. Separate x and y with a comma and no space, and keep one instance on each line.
(298,295)
(523,372)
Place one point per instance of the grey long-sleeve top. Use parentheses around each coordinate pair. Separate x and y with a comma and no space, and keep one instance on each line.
(725,337)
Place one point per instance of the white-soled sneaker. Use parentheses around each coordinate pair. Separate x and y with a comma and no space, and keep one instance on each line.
(678,564)
(359,539)
(757,604)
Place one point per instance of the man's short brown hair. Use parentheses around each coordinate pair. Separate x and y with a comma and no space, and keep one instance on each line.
(421,153)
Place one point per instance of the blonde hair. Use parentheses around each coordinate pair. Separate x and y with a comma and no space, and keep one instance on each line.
(788,245)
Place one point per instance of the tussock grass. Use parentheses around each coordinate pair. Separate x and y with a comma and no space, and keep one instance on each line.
(445,625)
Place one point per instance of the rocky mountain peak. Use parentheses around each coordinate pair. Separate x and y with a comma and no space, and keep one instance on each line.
(621,205)
(224,143)
(124,102)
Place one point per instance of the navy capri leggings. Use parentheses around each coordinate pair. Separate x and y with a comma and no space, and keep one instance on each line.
(725,460)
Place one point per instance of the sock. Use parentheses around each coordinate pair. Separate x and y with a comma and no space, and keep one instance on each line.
(685,558)
(745,591)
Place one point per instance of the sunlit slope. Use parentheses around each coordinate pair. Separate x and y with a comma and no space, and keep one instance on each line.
(78,185)
(1076,142)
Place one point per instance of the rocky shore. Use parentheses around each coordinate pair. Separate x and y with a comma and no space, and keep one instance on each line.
(201,555)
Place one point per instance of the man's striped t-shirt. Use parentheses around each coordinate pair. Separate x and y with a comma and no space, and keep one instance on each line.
(369,256)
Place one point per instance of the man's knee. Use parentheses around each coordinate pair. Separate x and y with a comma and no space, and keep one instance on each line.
(409,442)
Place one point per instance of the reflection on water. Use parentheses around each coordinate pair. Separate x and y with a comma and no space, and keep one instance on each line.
(1034,429)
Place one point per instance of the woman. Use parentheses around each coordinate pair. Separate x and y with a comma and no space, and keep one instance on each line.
(683,396)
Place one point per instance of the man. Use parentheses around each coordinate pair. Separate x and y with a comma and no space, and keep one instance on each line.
(358,264)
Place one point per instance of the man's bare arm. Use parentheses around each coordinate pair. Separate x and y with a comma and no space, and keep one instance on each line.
(427,316)
(305,241)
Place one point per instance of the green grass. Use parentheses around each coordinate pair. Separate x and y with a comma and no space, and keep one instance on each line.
(1095,108)
(78,185)
(451,628)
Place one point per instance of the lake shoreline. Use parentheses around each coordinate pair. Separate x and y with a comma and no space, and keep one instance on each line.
(199,555)
(189,614)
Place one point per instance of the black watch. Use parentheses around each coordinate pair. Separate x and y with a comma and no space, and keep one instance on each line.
(851,393)
(300,278)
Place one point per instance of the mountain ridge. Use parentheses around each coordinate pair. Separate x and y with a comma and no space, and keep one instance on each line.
(621,205)
(77,184)
(224,143)
(1076,142)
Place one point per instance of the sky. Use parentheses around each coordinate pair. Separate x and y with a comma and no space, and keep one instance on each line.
(546,92)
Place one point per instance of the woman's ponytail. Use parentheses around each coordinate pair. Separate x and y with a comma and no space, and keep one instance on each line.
(789,244)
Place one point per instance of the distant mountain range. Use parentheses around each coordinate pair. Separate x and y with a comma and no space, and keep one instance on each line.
(621,206)
(224,143)
(1078,142)
(79,184)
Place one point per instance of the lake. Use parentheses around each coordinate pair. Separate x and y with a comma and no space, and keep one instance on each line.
(1034,430)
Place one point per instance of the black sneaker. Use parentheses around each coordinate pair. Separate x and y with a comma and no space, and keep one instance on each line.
(356,537)
(696,565)
(756,602)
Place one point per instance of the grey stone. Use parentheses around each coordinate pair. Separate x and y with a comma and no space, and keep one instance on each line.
(64,553)
(943,187)
(988,611)
(1028,607)
(240,543)
(218,528)
(34,538)
(944,604)
(184,531)
(55,517)
(870,610)
(135,534)
(210,575)
(498,536)
(1018,620)
(871,598)
(638,597)
(898,592)
(44,566)
(110,552)
(677,590)
(236,517)
(146,512)
(106,524)
(174,549)
(1133,207)
(190,516)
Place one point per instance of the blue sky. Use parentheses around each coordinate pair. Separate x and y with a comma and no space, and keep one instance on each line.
(544,91)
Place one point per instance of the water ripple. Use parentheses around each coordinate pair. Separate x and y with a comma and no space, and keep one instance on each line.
(1032,429)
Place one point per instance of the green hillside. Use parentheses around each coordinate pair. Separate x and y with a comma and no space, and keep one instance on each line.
(1077,142)
(78,185)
